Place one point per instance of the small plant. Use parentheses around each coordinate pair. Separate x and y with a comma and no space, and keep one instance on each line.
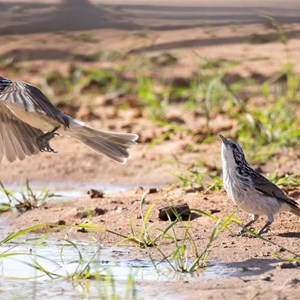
(84,37)
(142,238)
(209,181)
(288,180)
(179,259)
(171,129)
(71,266)
(26,199)
(106,55)
(278,35)
(154,100)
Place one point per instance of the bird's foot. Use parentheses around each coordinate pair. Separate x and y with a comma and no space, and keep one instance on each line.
(264,230)
(43,141)
(243,232)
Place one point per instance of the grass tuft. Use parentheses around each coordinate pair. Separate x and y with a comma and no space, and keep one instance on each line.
(25,199)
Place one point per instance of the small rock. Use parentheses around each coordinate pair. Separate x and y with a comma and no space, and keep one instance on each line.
(95,193)
(214,211)
(82,230)
(267,277)
(99,211)
(176,119)
(61,222)
(294,194)
(171,211)
(292,282)
(281,249)
(289,265)
(152,190)
(116,201)
(82,214)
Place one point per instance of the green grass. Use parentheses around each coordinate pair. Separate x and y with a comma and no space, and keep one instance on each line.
(207,180)
(278,35)
(288,180)
(27,199)
(106,55)
(184,256)
(87,268)
(85,37)
(208,92)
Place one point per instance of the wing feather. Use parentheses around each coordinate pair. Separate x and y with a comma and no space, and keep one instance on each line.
(18,139)
(268,188)
(31,99)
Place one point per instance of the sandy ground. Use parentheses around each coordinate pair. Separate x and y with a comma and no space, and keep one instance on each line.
(37,35)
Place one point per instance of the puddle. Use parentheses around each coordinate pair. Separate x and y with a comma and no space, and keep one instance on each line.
(38,269)
(64,191)
(20,276)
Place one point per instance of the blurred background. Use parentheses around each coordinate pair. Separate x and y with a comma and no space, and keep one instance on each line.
(177,73)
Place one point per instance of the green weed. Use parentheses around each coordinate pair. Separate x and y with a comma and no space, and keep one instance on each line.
(106,55)
(25,199)
(84,37)
(82,271)
(142,237)
(209,181)
(154,101)
(288,180)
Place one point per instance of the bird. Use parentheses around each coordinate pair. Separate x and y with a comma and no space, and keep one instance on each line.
(28,121)
(251,191)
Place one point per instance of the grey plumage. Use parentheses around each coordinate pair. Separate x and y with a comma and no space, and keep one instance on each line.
(249,190)
(28,121)
(17,139)
(23,94)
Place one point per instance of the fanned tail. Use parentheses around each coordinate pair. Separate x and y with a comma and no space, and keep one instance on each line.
(111,144)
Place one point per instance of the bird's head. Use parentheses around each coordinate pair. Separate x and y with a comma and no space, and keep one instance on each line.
(4,83)
(232,153)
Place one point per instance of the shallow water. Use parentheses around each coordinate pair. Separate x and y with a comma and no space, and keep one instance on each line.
(21,263)
(21,279)
(64,191)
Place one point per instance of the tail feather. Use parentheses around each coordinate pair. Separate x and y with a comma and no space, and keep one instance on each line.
(111,144)
(295,210)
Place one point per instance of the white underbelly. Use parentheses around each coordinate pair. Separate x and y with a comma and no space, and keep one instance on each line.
(251,200)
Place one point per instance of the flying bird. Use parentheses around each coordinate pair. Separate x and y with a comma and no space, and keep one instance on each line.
(28,121)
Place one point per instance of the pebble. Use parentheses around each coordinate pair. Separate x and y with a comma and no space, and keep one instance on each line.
(267,277)
(292,282)
(289,265)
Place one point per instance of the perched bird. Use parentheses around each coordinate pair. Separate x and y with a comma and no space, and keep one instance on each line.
(28,121)
(251,191)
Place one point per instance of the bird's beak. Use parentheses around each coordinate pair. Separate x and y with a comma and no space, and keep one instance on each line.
(224,140)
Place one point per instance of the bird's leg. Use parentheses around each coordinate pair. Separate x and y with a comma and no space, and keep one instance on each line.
(43,141)
(266,227)
(242,230)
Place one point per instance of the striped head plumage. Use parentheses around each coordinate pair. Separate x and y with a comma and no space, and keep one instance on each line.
(4,83)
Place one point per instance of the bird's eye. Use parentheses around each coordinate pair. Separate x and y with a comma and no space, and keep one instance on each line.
(234,146)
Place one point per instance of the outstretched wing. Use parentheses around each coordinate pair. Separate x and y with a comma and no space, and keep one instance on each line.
(17,139)
(31,99)
(265,186)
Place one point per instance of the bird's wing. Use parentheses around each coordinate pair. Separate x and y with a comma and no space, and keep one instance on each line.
(265,186)
(17,139)
(31,99)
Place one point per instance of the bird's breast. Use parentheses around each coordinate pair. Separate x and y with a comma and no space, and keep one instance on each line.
(248,198)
